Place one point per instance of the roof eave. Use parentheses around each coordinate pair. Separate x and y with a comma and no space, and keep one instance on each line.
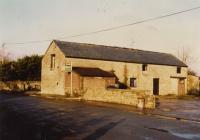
(127,61)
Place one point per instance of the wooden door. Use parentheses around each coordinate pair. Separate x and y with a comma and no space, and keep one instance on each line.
(181,87)
(156,86)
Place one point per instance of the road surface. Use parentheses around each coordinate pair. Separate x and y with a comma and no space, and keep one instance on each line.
(34,118)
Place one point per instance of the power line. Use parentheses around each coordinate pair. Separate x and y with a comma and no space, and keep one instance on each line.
(109,29)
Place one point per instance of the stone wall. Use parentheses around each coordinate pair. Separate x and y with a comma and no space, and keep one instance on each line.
(128,97)
(53,79)
(20,85)
(83,83)
(134,70)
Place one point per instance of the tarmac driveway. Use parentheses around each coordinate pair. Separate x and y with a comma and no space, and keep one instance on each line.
(182,109)
(33,118)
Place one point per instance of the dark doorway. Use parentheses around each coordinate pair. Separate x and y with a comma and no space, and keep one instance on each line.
(156,86)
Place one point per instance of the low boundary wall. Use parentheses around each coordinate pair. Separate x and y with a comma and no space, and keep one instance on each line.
(20,85)
(135,98)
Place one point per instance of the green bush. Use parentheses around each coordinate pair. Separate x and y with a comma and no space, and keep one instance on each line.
(26,68)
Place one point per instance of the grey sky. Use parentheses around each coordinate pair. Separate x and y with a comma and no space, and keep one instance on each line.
(26,20)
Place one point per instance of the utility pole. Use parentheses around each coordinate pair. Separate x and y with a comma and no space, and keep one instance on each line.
(3,51)
(2,62)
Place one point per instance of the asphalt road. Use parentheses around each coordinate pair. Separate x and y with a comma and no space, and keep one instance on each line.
(33,118)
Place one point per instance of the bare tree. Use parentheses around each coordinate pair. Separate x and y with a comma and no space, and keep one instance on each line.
(184,55)
(191,72)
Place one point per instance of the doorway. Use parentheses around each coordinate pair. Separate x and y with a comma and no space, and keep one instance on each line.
(156,86)
(181,87)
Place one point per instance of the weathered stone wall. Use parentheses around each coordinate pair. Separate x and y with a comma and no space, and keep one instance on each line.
(20,85)
(52,80)
(167,85)
(193,83)
(97,82)
(81,84)
(128,97)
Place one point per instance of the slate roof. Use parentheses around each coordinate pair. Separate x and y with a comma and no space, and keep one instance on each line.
(101,52)
(92,72)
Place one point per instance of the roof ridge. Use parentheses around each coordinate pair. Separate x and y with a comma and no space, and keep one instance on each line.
(117,47)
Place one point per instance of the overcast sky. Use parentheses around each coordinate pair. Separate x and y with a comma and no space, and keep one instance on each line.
(27,20)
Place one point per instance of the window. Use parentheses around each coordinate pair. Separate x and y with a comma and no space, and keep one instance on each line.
(133,82)
(52,61)
(144,67)
(178,70)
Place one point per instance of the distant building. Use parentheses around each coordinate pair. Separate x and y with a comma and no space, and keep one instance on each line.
(193,84)
(98,66)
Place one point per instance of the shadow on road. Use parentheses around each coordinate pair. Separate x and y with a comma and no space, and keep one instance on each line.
(102,131)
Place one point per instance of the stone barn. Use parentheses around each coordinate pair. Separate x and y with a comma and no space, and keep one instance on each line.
(69,67)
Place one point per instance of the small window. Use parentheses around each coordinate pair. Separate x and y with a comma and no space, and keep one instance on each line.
(133,82)
(178,69)
(144,67)
(52,61)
